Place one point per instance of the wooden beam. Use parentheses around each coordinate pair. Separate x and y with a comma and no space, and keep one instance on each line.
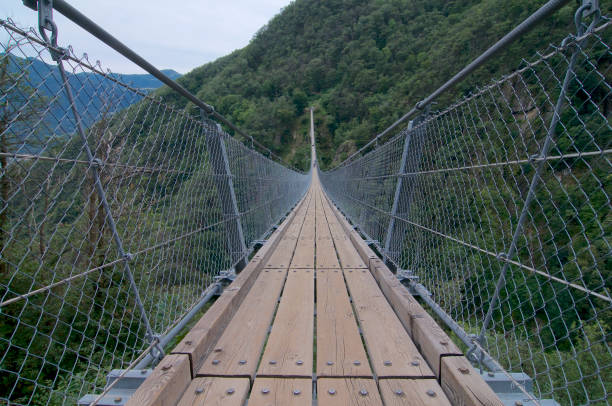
(464,386)
(412,392)
(281,392)
(166,384)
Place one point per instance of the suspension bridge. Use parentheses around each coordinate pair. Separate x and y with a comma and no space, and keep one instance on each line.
(153,255)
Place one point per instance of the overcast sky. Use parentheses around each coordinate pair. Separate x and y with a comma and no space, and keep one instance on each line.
(179,34)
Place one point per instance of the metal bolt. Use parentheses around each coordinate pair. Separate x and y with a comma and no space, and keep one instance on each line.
(431,393)
(216,362)
(330,362)
(230,391)
(518,403)
(242,362)
(117,400)
(444,342)
(356,363)
(218,349)
(464,370)
(415,363)
(265,391)
(299,362)
(143,371)
(387,363)
(296,392)
(363,392)
(491,374)
(188,342)
(399,392)
(272,362)
(332,391)
(199,390)
(166,367)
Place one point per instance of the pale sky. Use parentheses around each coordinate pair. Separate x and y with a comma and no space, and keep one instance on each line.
(179,34)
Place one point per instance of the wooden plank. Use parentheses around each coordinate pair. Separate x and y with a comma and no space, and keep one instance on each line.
(326,257)
(166,384)
(428,336)
(281,392)
(205,333)
(464,386)
(289,348)
(340,350)
(347,391)
(216,392)
(432,341)
(281,258)
(237,353)
(392,352)
(412,392)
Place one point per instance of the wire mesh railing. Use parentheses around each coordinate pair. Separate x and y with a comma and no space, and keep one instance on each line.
(499,205)
(115,218)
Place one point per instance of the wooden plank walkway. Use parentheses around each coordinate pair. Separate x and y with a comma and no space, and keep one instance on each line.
(315,316)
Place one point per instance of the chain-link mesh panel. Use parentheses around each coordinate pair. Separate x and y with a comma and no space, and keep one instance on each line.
(68,311)
(443,200)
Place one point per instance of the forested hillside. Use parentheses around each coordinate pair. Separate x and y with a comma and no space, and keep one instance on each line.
(361,63)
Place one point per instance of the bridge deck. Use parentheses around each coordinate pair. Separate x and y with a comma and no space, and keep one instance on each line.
(315,316)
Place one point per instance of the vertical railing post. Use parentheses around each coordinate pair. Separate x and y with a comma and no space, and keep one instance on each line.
(227,196)
(539,162)
(404,187)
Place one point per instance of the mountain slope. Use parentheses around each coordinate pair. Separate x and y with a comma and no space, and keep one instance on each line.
(362,63)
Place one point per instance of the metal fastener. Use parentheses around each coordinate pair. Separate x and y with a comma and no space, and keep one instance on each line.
(332,391)
(296,392)
(143,371)
(387,363)
(491,374)
(330,362)
(272,362)
(399,392)
(199,390)
(218,349)
(299,362)
(444,342)
(216,362)
(415,363)
(265,391)
(431,393)
(242,362)
(464,370)
(230,391)
(117,400)
(363,392)
(518,403)
(356,363)
(166,367)
(188,342)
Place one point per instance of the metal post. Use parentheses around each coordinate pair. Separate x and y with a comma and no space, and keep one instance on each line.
(540,162)
(404,186)
(46,23)
(227,196)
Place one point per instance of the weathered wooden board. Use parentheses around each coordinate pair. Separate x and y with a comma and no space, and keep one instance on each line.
(463,385)
(216,392)
(392,352)
(290,345)
(304,256)
(281,258)
(281,392)
(199,341)
(326,257)
(340,351)
(412,392)
(347,392)
(166,384)
(237,353)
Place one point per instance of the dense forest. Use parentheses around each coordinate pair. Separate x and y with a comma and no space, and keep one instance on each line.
(361,63)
